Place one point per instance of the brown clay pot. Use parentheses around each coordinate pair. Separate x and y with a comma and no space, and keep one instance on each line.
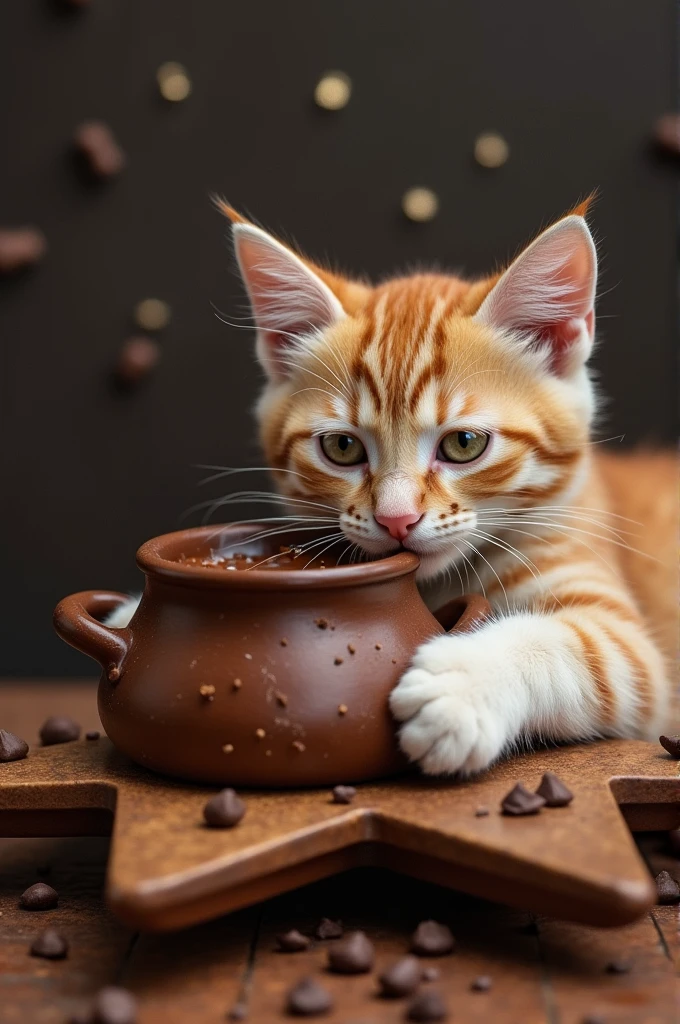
(307,710)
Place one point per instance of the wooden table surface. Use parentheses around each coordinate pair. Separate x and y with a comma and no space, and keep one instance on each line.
(543,971)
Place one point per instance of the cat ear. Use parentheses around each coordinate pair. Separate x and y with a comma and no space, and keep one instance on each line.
(548,293)
(289,297)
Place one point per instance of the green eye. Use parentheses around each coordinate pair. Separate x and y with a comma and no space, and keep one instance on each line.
(462,446)
(343,449)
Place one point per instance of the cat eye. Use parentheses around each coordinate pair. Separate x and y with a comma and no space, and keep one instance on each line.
(462,446)
(343,449)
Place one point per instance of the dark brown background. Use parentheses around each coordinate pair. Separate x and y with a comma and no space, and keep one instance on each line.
(88,473)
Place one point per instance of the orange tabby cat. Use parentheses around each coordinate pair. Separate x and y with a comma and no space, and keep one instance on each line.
(453,417)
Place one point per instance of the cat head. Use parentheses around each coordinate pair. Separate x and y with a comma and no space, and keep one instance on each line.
(409,410)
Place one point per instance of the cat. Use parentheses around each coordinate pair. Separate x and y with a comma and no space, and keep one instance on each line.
(454,418)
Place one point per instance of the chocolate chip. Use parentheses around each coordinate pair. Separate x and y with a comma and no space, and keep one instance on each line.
(58,729)
(12,748)
(553,791)
(481,812)
(671,744)
(432,939)
(299,746)
(239,1011)
(137,358)
(281,699)
(20,248)
(344,794)
(292,941)
(321,623)
(207,691)
(667,889)
(431,973)
(427,1006)
(520,801)
(92,735)
(482,983)
(354,954)
(308,999)
(50,945)
(224,810)
(618,967)
(402,978)
(39,897)
(98,147)
(327,929)
(114,1005)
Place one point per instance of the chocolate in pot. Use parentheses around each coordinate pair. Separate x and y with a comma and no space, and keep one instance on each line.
(273,717)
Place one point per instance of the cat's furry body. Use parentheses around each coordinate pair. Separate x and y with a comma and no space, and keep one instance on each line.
(407,376)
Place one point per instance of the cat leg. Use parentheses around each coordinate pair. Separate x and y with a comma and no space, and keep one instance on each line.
(575,671)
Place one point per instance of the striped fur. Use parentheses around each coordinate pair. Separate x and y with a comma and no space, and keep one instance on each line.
(530,523)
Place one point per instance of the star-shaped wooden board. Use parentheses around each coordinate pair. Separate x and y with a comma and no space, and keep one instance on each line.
(168,870)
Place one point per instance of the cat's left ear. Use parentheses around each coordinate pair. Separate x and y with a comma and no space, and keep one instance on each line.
(289,298)
(548,293)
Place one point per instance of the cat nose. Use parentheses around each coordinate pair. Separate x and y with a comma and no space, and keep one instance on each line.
(398,525)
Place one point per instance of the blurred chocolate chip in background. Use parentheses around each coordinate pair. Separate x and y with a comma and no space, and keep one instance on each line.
(20,248)
(97,150)
(137,359)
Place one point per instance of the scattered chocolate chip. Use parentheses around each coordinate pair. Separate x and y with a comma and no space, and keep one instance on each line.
(12,748)
(299,746)
(402,978)
(137,358)
(343,794)
(321,623)
(378,647)
(618,967)
(114,1005)
(432,939)
(260,733)
(355,954)
(327,929)
(239,1011)
(342,709)
(308,999)
(92,735)
(20,248)
(553,791)
(292,941)
(224,810)
(667,889)
(520,801)
(228,748)
(50,945)
(281,699)
(207,690)
(427,1006)
(431,973)
(338,661)
(482,983)
(97,145)
(237,684)
(283,641)
(351,648)
(671,744)
(481,812)
(39,897)
(58,729)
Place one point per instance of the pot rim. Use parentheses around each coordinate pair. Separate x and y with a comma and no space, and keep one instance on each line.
(153,560)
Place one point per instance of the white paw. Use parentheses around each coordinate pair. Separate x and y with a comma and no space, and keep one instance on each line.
(448,702)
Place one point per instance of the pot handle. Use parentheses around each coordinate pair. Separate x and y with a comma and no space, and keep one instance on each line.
(75,622)
(463,613)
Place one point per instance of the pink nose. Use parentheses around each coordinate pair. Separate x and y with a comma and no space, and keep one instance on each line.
(398,525)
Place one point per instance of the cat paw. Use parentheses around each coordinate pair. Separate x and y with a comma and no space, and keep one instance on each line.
(450,724)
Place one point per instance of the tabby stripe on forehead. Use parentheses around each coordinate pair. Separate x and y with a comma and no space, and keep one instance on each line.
(361,372)
(283,454)
(597,669)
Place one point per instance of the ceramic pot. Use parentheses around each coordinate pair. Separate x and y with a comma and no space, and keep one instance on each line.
(261,677)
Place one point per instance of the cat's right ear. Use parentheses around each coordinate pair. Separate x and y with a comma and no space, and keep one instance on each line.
(290,302)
